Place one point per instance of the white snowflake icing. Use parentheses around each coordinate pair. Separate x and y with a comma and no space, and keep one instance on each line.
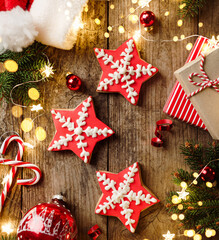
(123,70)
(120,195)
(78,130)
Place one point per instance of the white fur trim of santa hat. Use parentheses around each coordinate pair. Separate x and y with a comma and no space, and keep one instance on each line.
(54,20)
(17,30)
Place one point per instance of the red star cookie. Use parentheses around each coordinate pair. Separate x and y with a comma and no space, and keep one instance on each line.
(123,71)
(78,130)
(124,196)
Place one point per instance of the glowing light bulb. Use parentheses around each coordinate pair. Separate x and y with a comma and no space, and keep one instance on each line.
(69,4)
(183,185)
(189,46)
(121,29)
(209,184)
(36,108)
(190,233)
(33,94)
(200,24)
(175,199)
(174,216)
(200,203)
(208,233)
(112,6)
(182,36)
(213,232)
(175,38)
(86,9)
(181,6)
(169,236)
(195,174)
(133,18)
(11,65)
(134,1)
(97,21)
(180,22)
(27,125)
(180,207)
(197,237)
(185,233)
(7,228)
(106,35)
(47,71)
(132,10)
(181,216)
(167,13)
(17,111)
(195,182)
(40,134)
(110,28)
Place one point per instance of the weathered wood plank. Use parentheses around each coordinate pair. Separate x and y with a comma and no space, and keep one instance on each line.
(63,171)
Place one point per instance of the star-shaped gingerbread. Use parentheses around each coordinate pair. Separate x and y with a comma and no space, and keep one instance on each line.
(78,130)
(124,196)
(123,71)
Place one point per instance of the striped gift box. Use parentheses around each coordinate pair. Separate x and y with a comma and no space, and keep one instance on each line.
(177,106)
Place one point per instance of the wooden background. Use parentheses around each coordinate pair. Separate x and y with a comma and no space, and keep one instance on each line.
(134,125)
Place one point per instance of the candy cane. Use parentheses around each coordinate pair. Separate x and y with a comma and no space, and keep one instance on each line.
(21,164)
(13,170)
(15,163)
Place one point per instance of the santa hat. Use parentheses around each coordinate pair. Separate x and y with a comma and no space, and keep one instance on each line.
(50,22)
(17,29)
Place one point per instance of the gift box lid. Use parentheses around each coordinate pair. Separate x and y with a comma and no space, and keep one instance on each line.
(205,102)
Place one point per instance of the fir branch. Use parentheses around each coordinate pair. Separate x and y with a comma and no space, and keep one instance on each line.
(30,62)
(191,8)
(9,237)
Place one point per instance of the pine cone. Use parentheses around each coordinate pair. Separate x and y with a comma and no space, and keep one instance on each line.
(190,208)
(181,225)
(168,205)
(217,223)
(187,144)
(198,227)
(196,146)
(214,144)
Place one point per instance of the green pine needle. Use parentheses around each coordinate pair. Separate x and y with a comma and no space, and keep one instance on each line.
(191,8)
(30,62)
(201,208)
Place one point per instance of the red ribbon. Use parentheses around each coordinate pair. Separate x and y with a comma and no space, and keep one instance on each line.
(161,125)
(94,232)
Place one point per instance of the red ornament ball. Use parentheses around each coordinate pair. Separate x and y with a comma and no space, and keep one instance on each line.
(48,221)
(208,174)
(73,82)
(147,18)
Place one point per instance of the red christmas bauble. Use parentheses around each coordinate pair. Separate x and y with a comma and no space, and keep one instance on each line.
(208,174)
(73,82)
(48,221)
(147,18)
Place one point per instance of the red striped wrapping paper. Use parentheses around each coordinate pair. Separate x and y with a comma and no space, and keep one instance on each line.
(177,106)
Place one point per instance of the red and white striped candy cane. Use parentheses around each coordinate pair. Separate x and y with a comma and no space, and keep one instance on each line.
(204,77)
(21,164)
(13,170)
(15,164)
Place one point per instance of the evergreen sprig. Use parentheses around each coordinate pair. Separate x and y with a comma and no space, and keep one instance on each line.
(30,61)
(191,8)
(201,208)
(9,237)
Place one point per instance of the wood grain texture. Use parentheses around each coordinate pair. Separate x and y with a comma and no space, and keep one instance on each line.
(63,171)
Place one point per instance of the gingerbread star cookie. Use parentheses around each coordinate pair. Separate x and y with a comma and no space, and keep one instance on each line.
(123,71)
(124,196)
(78,130)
